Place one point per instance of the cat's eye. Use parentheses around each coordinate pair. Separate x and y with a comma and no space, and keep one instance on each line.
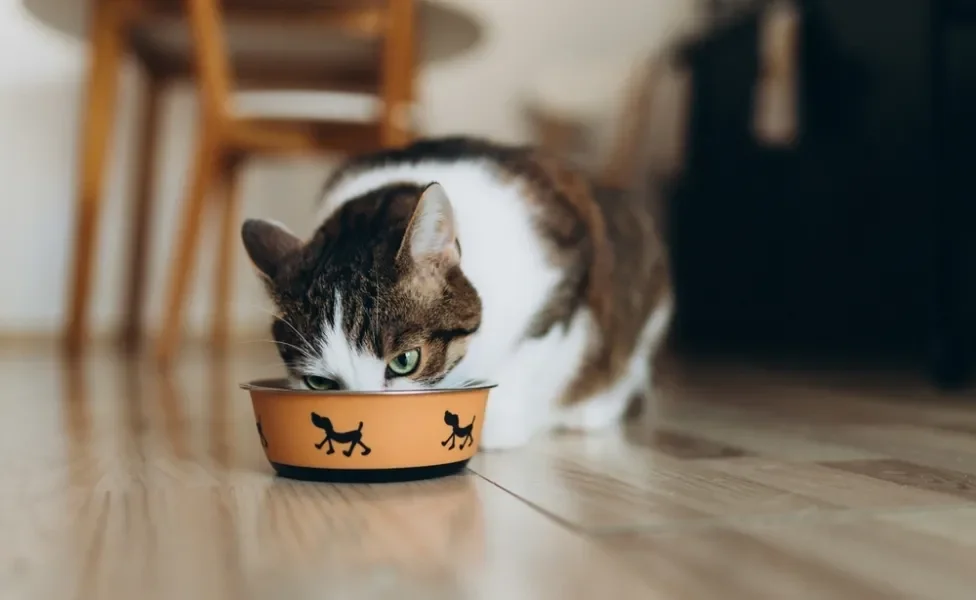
(320,384)
(404,364)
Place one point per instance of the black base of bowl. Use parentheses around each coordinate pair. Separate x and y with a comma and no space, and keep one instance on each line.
(369,475)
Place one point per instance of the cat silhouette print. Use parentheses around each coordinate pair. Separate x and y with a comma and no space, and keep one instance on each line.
(458,432)
(353,438)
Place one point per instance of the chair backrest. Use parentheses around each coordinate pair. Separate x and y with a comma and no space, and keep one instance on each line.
(214,70)
(214,75)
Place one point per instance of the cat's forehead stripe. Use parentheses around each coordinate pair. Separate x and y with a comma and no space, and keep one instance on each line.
(341,360)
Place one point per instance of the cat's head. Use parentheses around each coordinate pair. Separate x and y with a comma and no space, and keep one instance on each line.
(376,298)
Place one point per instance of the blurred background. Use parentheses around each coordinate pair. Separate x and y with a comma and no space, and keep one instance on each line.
(813,152)
(479,85)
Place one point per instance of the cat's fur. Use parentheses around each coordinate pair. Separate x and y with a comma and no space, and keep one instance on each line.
(497,262)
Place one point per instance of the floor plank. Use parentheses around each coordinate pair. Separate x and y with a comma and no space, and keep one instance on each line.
(902,555)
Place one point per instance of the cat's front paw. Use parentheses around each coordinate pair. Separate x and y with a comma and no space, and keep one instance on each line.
(593,415)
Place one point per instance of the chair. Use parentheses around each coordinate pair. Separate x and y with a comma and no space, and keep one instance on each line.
(370,48)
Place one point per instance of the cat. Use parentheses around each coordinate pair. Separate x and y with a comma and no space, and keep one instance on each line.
(456,260)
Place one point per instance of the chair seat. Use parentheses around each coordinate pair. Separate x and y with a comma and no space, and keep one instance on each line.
(232,6)
(276,55)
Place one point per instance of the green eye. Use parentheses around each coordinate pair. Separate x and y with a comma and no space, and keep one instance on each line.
(405,363)
(320,384)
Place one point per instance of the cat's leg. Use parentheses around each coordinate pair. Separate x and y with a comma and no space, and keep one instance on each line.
(331,447)
(510,418)
(517,407)
(508,422)
(607,408)
(366,449)
(535,376)
(600,411)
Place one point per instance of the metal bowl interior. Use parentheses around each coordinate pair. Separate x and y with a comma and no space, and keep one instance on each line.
(280,387)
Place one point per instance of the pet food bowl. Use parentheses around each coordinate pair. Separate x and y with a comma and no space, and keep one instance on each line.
(367,437)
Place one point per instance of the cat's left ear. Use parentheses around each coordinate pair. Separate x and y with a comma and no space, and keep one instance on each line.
(268,244)
(431,235)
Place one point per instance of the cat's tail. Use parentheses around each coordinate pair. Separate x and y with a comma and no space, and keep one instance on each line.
(360,428)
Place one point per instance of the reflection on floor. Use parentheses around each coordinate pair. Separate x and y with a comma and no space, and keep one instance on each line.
(119,482)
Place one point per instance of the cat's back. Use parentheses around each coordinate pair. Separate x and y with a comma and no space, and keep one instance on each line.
(518,212)
(500,193)
(494,191)
(466,167)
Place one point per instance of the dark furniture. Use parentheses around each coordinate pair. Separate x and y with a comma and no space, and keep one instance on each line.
(855,243)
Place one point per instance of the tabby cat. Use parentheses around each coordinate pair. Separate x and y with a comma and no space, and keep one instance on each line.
(459,260)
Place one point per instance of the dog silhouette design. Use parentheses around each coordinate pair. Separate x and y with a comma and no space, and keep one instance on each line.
(353,438)
(264,440)
(458,432)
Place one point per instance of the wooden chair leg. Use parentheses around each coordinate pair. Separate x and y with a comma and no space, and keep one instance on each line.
(105,54)
(142,216)
(396,121)
(229,240)
(206,163)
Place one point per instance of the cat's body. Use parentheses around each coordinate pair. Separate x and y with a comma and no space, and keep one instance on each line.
(510,270)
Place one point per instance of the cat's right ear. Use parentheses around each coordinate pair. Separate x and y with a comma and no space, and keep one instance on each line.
(431,235)
(268,244)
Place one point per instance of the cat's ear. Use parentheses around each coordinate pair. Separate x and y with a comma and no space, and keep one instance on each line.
(268,244)
(431,235)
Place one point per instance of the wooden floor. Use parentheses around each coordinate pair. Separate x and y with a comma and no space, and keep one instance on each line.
(117,482)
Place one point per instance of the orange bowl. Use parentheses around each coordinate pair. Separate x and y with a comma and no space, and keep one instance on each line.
(367,437)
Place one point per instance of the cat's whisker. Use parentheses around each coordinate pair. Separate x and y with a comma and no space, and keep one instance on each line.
(276,362)
(304,352)
(270,375)
(274,315)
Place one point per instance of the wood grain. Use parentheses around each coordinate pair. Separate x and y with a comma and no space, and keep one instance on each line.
(943,481)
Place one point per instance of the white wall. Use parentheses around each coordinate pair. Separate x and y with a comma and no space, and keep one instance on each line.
(41,71)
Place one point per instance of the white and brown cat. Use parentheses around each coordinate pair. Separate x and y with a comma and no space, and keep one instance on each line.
(458,260)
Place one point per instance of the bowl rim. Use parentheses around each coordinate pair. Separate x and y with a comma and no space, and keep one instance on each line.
(277,385)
